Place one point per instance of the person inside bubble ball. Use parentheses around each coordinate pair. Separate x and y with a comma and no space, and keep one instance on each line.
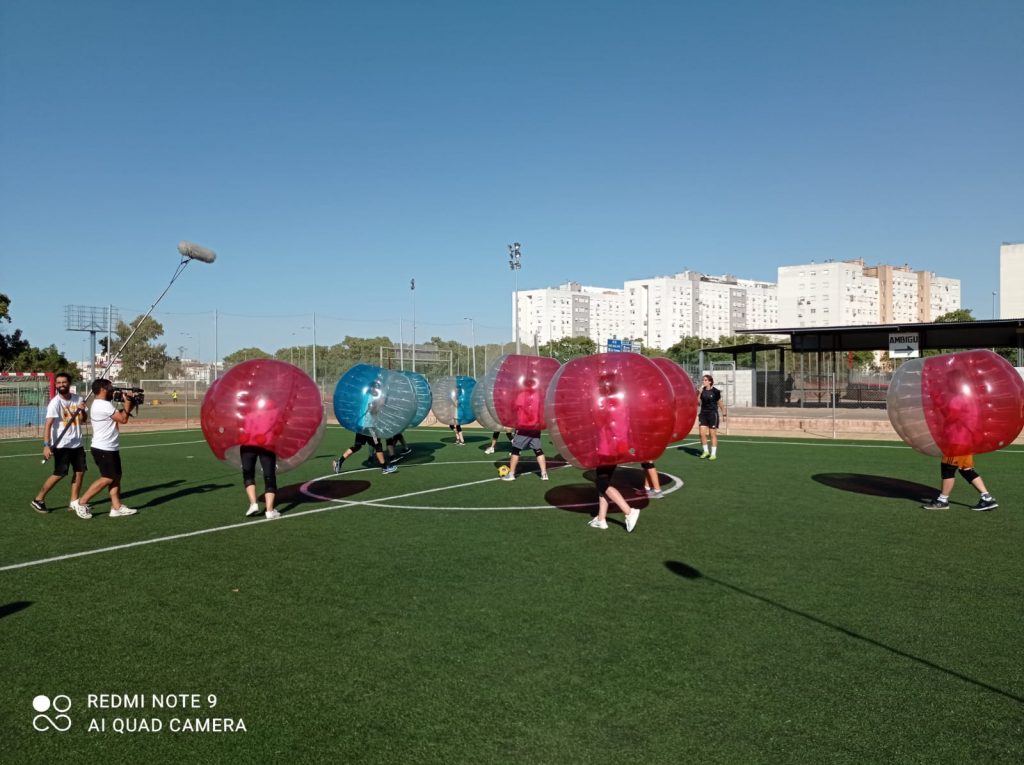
(611,419)
(607,494)
(259,429)
(455,426)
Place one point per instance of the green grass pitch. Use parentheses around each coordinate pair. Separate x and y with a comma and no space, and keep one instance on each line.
(790,603)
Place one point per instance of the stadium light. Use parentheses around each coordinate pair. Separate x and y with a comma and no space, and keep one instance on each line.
(515,263)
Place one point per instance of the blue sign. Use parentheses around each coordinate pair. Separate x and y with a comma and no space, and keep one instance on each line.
(615,346)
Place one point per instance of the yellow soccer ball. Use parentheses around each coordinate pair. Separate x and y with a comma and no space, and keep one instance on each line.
(503,471)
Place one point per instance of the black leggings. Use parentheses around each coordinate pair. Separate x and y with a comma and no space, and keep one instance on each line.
(268,464)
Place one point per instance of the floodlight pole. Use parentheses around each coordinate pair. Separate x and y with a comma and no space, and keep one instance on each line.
(472,335)
(515,263)
(412,287)
(994,293)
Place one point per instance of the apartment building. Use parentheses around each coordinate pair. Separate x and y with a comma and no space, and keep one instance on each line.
(1011,281)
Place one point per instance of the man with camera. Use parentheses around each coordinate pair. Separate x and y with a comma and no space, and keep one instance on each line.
(106,447)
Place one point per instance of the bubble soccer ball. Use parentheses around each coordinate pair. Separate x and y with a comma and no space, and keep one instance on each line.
(608,409)
(520,384)
(265,403)
(374,401)
(685,397)
(452,399)
(956,404)
(479,403)
(424,399)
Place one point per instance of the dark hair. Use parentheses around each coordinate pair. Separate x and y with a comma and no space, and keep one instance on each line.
(62,374)
(709,377)
(98,385)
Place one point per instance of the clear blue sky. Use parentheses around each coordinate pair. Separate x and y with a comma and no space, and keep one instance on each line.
(331,151)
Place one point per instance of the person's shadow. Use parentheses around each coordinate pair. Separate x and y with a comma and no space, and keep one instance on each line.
(291,496)
(202,488)
(877,486)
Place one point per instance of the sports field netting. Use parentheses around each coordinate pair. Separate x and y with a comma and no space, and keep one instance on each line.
(791,602)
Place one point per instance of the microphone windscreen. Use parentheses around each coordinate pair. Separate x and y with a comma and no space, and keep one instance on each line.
(195,252)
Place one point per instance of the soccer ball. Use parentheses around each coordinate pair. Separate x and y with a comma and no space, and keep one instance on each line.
(503,471)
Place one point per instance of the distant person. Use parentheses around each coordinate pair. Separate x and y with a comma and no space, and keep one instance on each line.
(64,417)
(174,396)
(607,493)
(787,388)
(106,449)
(711,405)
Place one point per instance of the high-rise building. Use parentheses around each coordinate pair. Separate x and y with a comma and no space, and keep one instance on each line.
(570,310)
(841,293)
(1011,281)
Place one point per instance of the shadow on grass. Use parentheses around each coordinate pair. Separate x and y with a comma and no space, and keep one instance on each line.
(202,488)
(877,486)
(12,608)
(693,451)
(290,497)
(582,497)
(689,572)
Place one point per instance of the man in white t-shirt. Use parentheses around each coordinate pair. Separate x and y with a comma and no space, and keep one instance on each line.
(105,448)
(63,441)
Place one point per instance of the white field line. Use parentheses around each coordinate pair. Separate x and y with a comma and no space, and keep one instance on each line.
(123,448)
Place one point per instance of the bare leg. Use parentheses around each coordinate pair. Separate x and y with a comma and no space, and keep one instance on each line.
(76,485)
(543,462)
(268,498)
(250,492)
(95,488)
(512,463)
(52,481)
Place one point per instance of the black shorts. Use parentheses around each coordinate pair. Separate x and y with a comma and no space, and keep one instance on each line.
(73,458)
(109,463)
(603,477)
(708,420)
(368,440)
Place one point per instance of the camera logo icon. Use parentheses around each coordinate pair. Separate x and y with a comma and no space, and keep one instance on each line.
(60,721)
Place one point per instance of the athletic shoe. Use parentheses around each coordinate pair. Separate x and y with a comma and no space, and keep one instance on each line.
(632,518)
(705,456)
(82,511)
(937,505)
(390,469)
(121,512)
(984,505)
(489,450)
(273,514)
(509,477)
(254,509)
(543,476)
(652,494)
(598,524)
(406,450)
(713,457)
(336,466)
(39,506)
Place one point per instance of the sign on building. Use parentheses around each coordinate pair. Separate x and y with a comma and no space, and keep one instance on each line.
(904,346)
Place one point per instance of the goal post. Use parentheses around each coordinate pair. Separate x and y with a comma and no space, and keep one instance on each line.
(23,400)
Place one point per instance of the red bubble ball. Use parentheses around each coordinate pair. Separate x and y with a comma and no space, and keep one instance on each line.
(685,397)
(520,386)
(609,409)
(264,403)
(957,404)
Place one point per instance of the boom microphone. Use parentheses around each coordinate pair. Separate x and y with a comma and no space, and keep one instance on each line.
(195,252)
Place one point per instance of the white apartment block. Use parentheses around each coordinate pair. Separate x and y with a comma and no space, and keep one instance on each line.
(570,310)
(1011,281)
(663,310)
(841,293)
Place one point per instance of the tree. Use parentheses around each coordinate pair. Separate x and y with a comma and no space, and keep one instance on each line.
(960,314)
(5,308)
(568,348)
(244,354)
(17,354)
(142,357)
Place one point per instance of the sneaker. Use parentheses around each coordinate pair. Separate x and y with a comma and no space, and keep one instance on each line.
(273,515)
(713,457)
(39,506)
(543,476)
(984,505)
(254,509)
(632,518)
(652,494)
(82,511)
(509,477)
(406,451)
(390,469)
(598,524)
(489,450)
(705,456)
(121,511)
(937,505)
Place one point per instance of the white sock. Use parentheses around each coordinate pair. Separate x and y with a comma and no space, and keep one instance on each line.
(714,449)
(942,498)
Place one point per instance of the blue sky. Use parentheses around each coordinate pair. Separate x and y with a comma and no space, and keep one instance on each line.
(331,151)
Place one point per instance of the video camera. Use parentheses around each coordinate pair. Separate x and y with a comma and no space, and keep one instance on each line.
(136,395)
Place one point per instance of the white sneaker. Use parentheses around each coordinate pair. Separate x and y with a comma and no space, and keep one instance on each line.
(82,511)
(121,512)
(489,450)
(509,477)
(272,514)
(598,524)
(543,476)
(632,518)
(254,509)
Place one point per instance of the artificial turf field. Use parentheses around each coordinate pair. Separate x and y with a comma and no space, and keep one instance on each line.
(790,603)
